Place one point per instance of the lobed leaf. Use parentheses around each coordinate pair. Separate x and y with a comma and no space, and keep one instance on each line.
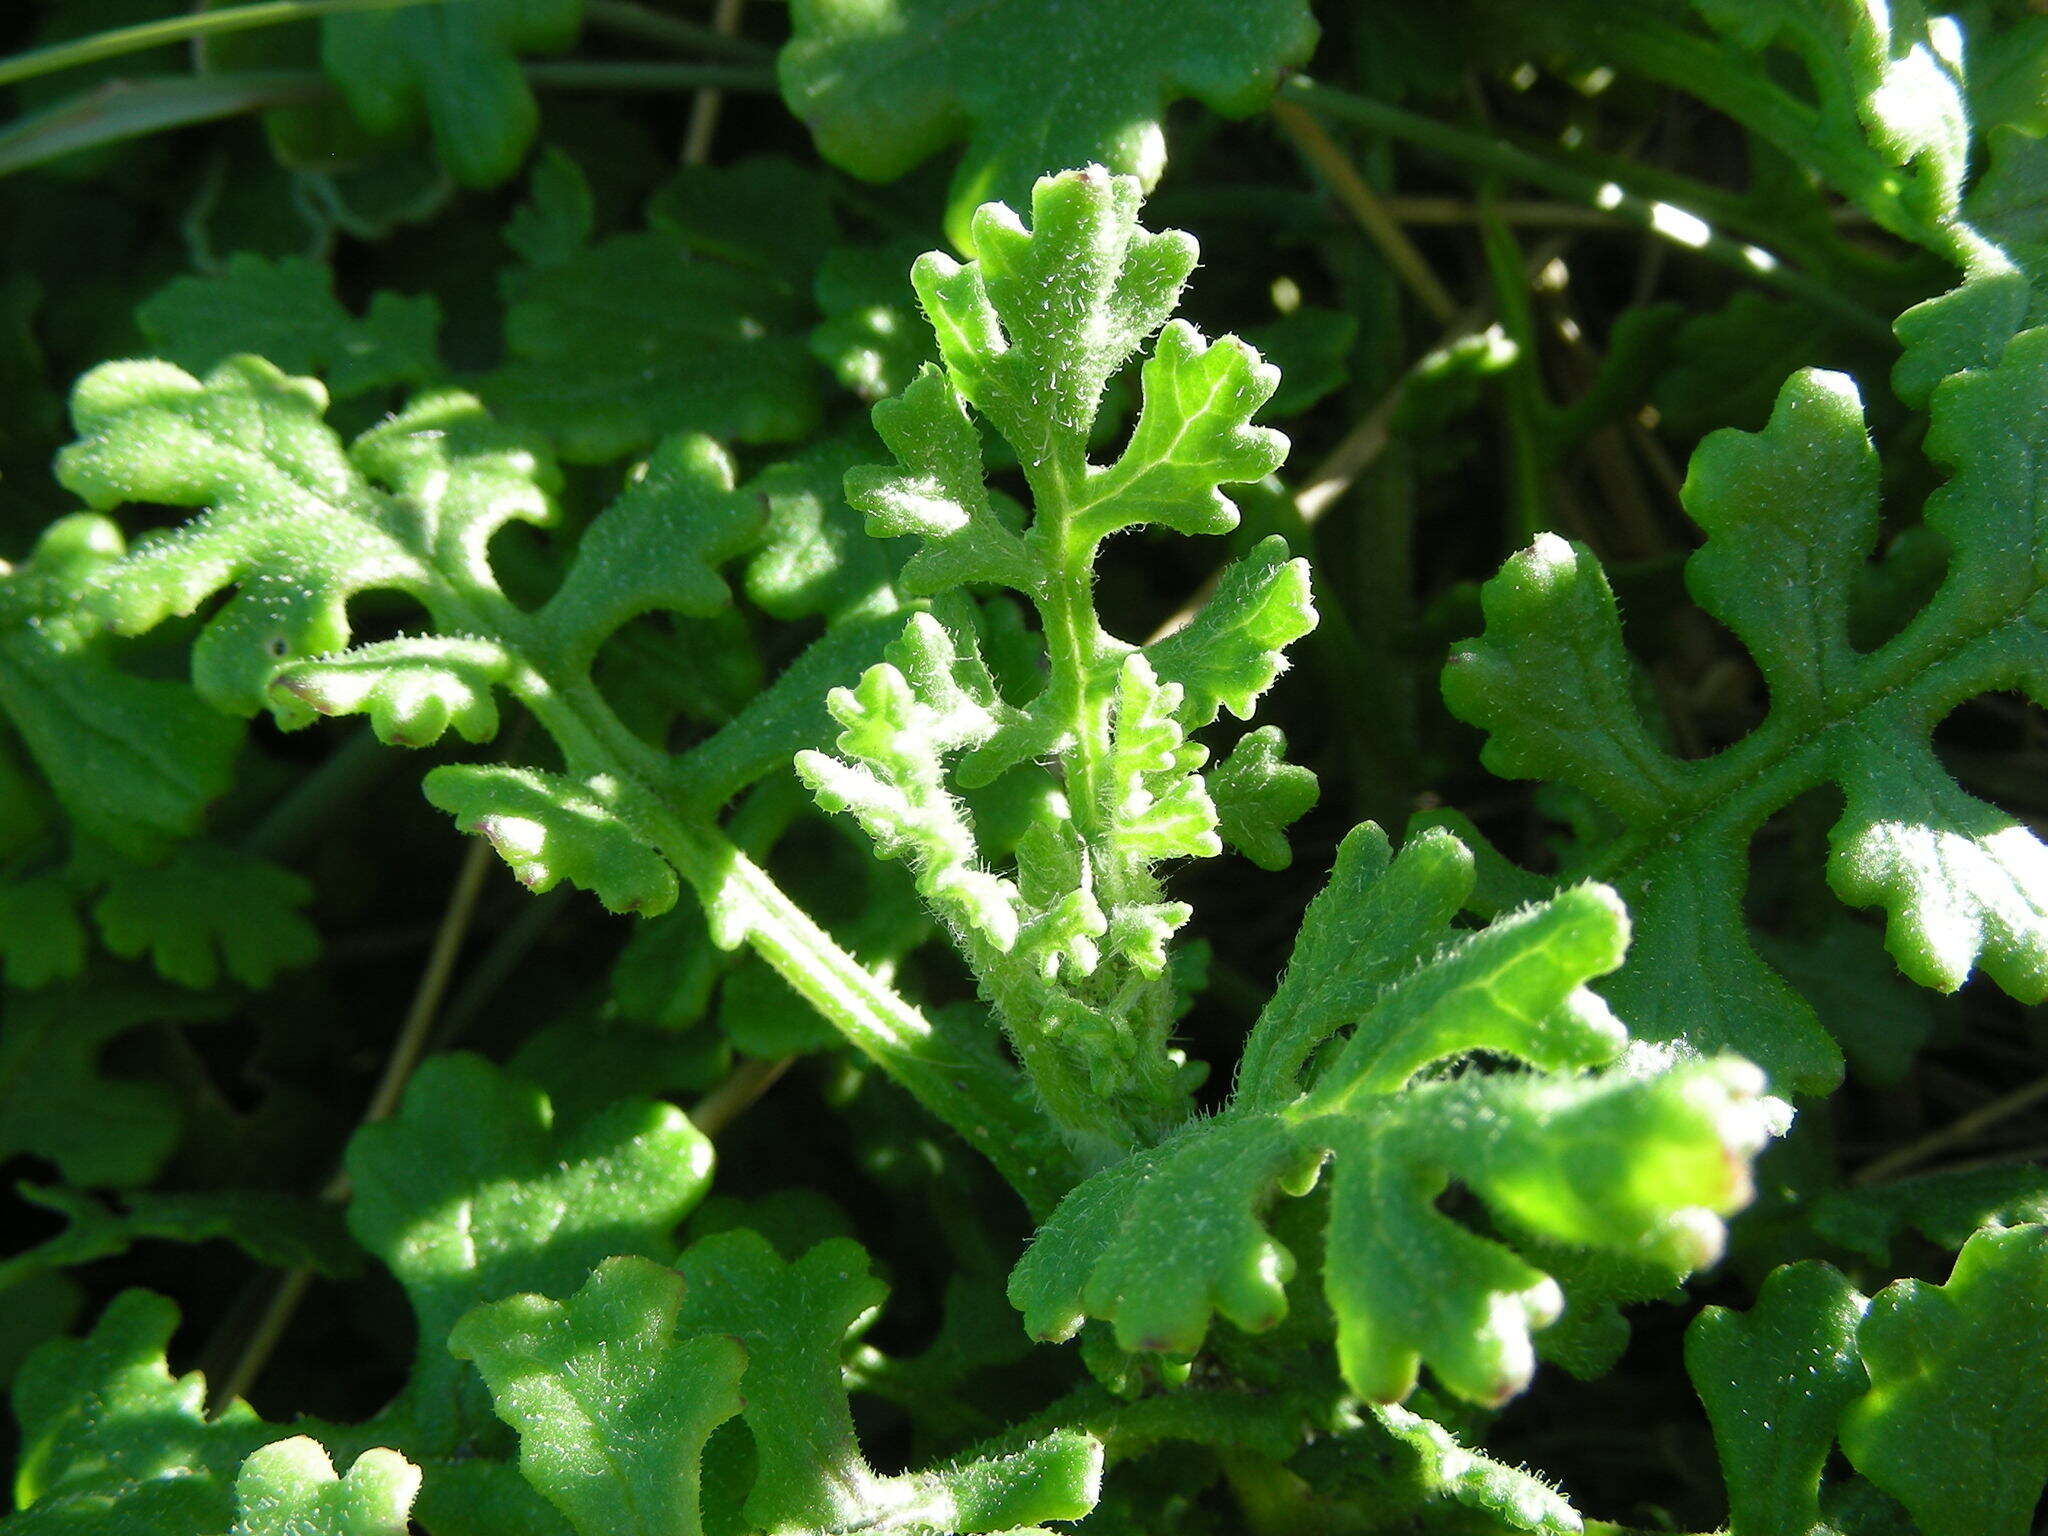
(295,523)
(612,1410)
(550,827)
(1641,1161)
(1955,1424)
(1791,516)
(470,1194)
(109,1434)
(206,911)
(1030,90)
(1775,1381)
(459,74)
(1258,794)
(284,309)
(58,1102)
(630,339)
(290,1489)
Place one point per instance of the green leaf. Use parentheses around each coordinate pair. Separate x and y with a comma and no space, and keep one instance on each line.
(41,938)
(470,1194)
(556,220)
(1879,1018)
(1258,795)
(1791,515)
(56,1102)
(630,339)
(1955,1425)
(969,536)
(871,337)
(1890,126)
(296,523)
(793,1319)
(111,1440)
(813,558)
(1030,90)
(657,548)
(1234,647)
(1072,947)
(282,1231)
(290,1489)
(284,309)
(1641,1161)
(1945,1208)
(458,72)
(612,1410)
(1775,1381)
(787,717)
(768,212)
(133,761)
(208,910)
(413,689)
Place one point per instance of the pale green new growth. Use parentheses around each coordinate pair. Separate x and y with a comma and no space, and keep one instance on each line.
(1071,942)
(1641,1160)
(290,1489)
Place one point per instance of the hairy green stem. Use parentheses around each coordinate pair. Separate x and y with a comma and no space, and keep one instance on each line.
(978,1096)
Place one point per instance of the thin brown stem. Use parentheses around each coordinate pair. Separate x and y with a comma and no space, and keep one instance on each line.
(1958,1132)
(737,1093)
(404,1056)
(1330,162)
(725,21)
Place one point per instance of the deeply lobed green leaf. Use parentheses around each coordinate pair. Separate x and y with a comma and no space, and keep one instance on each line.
(1790,515)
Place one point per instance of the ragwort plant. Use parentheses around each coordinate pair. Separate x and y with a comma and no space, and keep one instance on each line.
(837,714)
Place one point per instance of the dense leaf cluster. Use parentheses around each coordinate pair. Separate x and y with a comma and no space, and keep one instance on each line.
(1455,967)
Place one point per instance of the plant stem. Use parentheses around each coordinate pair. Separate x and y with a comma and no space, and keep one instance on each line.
(433,984)
(1335,167)
(990,1112)
(630,19)
(1955,1133)
(733,1096)
(725,22)
(398,1066)
(319,796)
(608,75)
(128,109)
(114,43)
(1663,219)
